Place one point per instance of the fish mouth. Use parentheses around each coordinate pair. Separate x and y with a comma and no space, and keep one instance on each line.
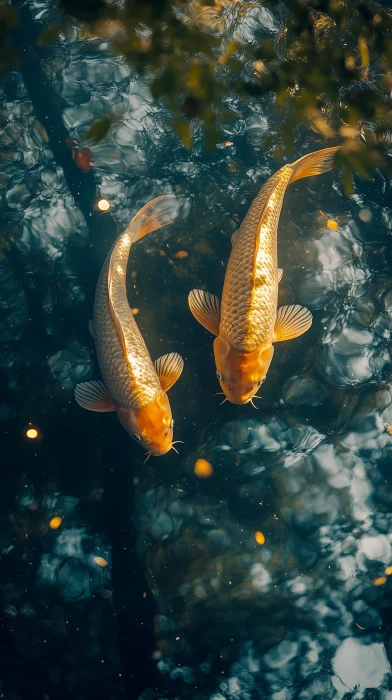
(242,400)
(164,451)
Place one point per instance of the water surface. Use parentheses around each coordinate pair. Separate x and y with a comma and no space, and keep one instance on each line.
(121,579)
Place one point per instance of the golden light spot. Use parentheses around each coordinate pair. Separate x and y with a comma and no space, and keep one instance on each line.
(103,205)
(55,522)
(332,224)
(259,67)
(380,581)
(228,143)
(32,433)
(100,561)
(349,62)
(203,469)
(259,537)
(181,254)
(388,570)
(348,132)
(135,311)
(119,270)
(388,428)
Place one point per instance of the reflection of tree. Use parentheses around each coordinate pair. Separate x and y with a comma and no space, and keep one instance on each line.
(328,63)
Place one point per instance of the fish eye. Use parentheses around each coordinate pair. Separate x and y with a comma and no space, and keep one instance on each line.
(172,423)
(218,374)
(136,437)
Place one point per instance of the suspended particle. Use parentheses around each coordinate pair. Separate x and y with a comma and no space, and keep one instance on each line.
(181,254)
(135,311)
(380,581)
(388,570)
(332,224)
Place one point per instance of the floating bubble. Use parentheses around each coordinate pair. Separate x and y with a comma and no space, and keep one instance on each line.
(55,522)
(103,205)
(203,469)
(365,215)
(259,537)
(100,561)
(32,433)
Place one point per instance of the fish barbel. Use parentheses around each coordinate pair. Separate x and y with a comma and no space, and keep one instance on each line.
(132,385)
(248,322)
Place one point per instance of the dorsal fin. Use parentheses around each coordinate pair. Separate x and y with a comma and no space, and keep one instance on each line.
(155,214)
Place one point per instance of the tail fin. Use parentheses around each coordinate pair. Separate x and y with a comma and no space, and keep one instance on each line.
(313,163)
(160,212)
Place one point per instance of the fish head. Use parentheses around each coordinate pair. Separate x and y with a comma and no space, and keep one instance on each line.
(151,426)
(240,373)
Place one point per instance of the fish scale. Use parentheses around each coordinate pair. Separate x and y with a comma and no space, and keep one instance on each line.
(132,383)
(250,291)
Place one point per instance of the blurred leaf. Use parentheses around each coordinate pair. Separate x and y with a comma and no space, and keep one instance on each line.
(211,136)
(348,180)
(86,10)
(100,128)
(184,133)
(364,51)
(49,35)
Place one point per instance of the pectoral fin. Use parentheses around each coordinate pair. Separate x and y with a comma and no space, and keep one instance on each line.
(291,322)
(91,328)
(169,368)
(280,274)
(206,309)
(95,397)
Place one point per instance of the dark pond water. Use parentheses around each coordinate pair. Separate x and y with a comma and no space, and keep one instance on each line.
(120,579)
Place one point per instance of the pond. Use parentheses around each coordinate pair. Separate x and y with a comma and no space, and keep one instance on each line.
(264,571)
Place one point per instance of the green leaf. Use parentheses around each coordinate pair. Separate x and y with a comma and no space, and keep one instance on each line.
(85,10)
(49,35)
(348,181)
(97,131)
(211,136)
(184,133)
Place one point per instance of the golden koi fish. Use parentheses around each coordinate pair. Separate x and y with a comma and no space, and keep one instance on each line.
(132,385)
(247,323)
